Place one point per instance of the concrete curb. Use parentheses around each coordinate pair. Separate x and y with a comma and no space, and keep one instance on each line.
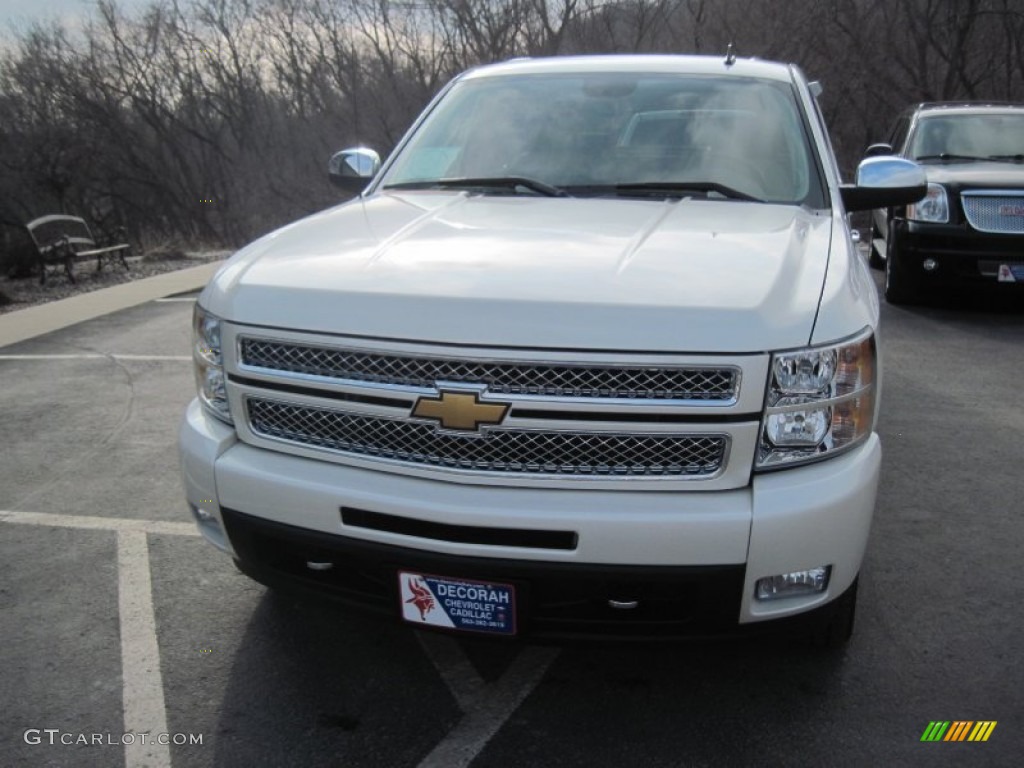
(52,316)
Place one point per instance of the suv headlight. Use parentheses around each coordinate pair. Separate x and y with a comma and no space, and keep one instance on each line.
(820,401)
(933,207)
(209,364)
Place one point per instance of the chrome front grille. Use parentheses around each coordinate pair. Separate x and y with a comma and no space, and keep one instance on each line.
(520,452)
(990,211)
(689,383)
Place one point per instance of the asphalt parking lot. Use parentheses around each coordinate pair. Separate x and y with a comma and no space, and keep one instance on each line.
(115,617)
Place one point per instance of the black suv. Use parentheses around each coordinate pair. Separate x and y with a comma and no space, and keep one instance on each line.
(969,229)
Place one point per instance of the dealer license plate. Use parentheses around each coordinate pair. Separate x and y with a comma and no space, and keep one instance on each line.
(1010,273)
(459,604)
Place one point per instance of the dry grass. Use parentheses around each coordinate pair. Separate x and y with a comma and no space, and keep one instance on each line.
(27,292)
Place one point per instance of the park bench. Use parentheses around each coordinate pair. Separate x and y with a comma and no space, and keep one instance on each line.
(62,240)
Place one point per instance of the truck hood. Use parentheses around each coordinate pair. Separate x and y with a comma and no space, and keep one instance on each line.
(561,273)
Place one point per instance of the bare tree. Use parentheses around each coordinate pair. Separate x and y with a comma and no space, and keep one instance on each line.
(212,119)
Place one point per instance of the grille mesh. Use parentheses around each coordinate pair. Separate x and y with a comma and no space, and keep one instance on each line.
(521,452)
(507,378)
(995,213)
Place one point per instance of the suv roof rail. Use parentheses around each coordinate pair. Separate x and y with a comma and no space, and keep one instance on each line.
(967,103)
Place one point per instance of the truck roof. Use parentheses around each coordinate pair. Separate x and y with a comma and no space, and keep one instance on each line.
(701,65)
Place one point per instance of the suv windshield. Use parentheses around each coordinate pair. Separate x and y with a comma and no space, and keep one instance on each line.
(648,135)
(969,137)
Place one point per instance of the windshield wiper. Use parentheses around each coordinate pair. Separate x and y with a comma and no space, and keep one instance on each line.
(1014,158)
(488,182)
(948,156)
(680,188)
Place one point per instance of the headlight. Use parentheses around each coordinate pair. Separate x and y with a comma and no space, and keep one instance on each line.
(933,207)
(208,359)
(820,401)
(206,336)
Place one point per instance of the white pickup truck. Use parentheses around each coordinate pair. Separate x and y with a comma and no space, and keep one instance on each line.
(591,353)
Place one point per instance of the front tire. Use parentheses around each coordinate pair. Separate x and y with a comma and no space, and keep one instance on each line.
(900,286)
(875,259)
(835,627)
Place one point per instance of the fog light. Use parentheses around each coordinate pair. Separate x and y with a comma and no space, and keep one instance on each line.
(930,265)
(793,584)
(209,525)
(204,517)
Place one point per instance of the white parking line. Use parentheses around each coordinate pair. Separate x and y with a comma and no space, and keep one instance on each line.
(142,681)
(486,706)
(171,299)
(98,356)
(177,358)
(457,672)
(144,710)
(99,523)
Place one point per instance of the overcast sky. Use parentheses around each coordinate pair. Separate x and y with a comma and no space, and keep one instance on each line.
(22,12)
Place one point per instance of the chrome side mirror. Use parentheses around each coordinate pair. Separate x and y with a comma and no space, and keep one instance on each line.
(352,169)
(884,182)
(877,150)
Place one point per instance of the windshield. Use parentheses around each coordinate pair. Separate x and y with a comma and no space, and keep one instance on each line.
(991,136)
(599,133)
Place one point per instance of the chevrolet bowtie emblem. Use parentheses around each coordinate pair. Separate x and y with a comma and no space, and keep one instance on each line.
(458,410)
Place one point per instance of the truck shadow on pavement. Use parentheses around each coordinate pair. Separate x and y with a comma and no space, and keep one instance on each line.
(316,684)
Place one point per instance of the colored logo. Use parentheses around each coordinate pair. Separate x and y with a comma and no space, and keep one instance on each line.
(958,730)
(460,410)
(421,598)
